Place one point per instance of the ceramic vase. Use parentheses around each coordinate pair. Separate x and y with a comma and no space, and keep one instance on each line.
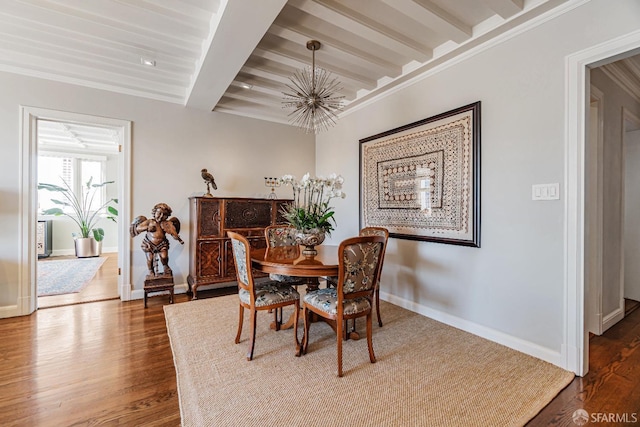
(309,239)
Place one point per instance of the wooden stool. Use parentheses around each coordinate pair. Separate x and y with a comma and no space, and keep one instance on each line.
(162,283)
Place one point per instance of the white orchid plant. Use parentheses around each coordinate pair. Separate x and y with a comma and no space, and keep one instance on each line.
(311,195)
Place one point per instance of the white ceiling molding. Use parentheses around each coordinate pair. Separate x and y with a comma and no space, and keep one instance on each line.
(626,74)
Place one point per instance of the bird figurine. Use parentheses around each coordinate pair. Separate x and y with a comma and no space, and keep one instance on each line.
(208,179)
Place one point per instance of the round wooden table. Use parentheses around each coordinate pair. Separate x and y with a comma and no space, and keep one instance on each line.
(288,260)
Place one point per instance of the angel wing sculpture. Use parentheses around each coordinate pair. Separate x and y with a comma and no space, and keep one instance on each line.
(155,243)
(208,179)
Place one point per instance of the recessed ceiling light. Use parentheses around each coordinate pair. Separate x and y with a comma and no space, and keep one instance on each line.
(245,85)
(148,62)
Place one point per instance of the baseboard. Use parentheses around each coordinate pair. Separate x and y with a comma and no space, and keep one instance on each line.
(534,350)
(9,311)
(612,318)
(62,252)
(67,252)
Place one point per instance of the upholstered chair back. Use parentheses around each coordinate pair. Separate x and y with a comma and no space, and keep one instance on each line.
(240,247)
(360,259)
(280,235)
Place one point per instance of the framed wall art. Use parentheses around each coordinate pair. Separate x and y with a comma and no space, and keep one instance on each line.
(422,181)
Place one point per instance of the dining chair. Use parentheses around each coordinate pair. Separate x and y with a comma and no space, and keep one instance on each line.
(377,231)
(282,235)
(359,261)
(370,231)
(267,295)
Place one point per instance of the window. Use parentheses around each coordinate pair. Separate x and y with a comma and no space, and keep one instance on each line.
(75,170)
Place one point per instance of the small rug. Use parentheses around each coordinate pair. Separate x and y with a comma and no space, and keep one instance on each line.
(66,276)
(426,374)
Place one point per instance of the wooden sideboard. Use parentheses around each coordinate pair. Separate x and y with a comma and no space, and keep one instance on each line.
(210,253)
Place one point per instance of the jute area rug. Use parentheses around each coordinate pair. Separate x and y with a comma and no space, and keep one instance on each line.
(66,276)
(426,374)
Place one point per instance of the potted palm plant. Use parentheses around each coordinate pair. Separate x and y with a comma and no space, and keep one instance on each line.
(88,242)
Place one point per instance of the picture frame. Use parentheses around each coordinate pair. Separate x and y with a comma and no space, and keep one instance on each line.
(421,181)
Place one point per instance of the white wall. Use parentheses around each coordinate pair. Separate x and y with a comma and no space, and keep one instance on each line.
(170,144)
(512,288)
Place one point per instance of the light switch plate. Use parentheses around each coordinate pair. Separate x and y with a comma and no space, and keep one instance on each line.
(545,191)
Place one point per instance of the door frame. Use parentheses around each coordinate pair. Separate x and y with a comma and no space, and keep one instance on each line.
(576,338)
(27,283)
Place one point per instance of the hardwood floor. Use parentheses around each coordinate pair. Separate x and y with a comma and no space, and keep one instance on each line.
(110,363)
(102,287)
(612,386)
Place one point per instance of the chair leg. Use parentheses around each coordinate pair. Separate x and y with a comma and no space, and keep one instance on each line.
(305,336)
(296,307)
(252,340)
(372,356)
(339,325)
(378,307)
(240,319)
(277,322)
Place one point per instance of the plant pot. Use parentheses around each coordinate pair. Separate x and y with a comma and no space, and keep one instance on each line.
(88,247)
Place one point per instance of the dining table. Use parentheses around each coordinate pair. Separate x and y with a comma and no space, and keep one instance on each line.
(290,261)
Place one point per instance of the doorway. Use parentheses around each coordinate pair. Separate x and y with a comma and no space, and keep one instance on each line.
(612,193)
(577,312)
(83,159)
(630,288)
(31,118)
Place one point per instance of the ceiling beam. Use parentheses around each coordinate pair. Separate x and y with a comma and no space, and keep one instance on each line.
(505,8)
(236,31)
(433,16)
(324,13)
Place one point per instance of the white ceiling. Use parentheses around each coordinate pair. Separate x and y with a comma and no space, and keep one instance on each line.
(205,49)
(76,137)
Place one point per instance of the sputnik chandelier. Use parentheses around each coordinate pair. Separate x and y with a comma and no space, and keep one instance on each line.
(312,95)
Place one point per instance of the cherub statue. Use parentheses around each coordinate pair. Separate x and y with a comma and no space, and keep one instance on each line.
(155,243)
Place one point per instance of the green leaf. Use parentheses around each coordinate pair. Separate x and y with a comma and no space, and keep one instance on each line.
(51,187)
(53,211)
(98,234)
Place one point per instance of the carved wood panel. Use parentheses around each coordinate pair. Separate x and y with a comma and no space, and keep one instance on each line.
(247,214)
(209,218)
(210,258)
